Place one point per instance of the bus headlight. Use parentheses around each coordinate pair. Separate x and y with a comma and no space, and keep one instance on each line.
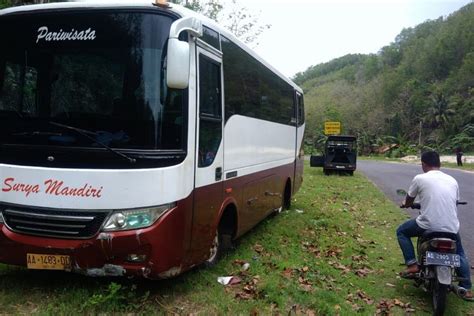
(136,218)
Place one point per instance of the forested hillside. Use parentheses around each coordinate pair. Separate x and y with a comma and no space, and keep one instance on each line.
(419,90)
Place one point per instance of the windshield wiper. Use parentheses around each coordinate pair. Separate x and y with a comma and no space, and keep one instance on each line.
(88,134)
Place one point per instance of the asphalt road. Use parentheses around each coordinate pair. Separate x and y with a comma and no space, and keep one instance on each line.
(389,177)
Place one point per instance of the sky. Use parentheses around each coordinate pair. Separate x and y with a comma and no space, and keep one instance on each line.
(308,32)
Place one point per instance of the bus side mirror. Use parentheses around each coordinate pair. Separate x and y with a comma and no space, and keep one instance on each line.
(177,72)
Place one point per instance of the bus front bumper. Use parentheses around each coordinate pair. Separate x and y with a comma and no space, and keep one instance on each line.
(144,253)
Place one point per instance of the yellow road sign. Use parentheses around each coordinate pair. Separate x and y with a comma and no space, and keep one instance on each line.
(332,128)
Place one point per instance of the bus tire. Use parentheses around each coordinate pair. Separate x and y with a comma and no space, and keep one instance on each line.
(221,243)
(286,203)
(215,251)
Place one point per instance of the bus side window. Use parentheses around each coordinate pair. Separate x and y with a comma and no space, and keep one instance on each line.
(210,111)
(300,109)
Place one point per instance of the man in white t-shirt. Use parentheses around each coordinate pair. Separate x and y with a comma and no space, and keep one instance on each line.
(438,194)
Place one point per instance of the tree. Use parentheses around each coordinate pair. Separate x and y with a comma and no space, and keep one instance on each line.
(439,113)
(244,24)
(10,3)
(210,8)
(425,75)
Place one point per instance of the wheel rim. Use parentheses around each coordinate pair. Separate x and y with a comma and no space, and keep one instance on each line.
(214,248)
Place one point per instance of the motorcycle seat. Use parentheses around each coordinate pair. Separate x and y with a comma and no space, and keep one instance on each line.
(429,234)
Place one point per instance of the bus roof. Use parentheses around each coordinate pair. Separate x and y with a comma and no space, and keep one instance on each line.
(177,9)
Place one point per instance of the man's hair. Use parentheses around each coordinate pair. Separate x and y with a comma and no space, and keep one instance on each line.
(431,158)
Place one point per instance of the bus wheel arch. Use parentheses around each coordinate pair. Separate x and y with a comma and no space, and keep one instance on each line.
(225,233)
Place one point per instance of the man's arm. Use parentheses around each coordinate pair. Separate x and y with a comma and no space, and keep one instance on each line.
(412,191)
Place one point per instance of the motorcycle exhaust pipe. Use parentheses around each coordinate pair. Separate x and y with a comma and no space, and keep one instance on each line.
(460,291)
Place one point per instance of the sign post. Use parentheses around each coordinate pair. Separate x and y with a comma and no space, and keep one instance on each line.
(332,128)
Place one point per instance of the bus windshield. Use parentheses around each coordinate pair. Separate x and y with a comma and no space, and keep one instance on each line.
(101,73)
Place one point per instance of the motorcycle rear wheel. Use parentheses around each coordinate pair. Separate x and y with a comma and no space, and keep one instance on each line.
(439,293)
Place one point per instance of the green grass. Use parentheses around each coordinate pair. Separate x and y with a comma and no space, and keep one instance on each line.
(334,252)
(379,158)
(465,166)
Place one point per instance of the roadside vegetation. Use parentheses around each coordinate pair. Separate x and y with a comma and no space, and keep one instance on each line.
(333,253)
(465,166)
(416,93)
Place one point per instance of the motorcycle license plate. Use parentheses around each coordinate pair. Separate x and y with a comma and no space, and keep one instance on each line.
(443,259)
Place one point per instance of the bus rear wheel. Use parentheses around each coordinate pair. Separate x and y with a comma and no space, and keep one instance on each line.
(286,203)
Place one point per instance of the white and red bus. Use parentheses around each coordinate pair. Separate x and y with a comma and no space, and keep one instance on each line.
(136,139)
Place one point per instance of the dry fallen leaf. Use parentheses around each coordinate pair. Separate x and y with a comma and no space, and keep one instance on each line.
(364,297)
(398,302)
(287,273)
(310,312)
(258,248)
(239,262)
(362,272)
(340,266)
(333,252)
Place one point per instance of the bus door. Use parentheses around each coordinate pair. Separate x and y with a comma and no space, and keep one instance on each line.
(208,193)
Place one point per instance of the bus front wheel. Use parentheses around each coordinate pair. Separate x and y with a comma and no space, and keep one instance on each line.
(215,250)
(220,244)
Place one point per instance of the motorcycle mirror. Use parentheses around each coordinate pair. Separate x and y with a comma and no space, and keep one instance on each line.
(401,192)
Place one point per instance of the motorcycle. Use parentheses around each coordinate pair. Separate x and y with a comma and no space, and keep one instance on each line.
(437,258)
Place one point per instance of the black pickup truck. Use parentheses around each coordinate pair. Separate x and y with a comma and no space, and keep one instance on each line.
(340,155)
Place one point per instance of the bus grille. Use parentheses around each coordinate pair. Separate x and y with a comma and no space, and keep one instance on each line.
(54,223)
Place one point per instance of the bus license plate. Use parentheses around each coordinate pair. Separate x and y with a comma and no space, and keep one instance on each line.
(443,259)
(48,262)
